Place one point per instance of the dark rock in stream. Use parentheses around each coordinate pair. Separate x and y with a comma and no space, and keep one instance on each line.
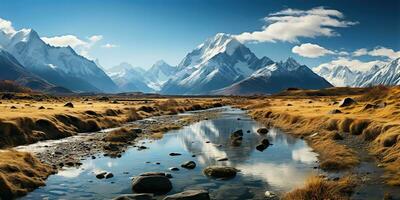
(109,175)
(222,159)
(237,134)
(101,175)
(262,131)
(220,171)
(174,169)
(189,195)
(143,196)
(189,165)
(175,154)
(154,184)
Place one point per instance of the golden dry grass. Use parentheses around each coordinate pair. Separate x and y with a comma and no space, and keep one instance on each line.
(317,188)
(20,173)
(308,117)
(27,123)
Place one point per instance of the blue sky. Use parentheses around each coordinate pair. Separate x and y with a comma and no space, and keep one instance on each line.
(143,31)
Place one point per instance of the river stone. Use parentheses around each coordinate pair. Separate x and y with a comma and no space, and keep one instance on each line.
(220,171)
(174,169)
(189,195)
(69,104)
(168,175)
(189,165)
(262,130)
(151,184)
(175,154)
(237,134)
(101,175)
(143,196)
(261,147)
(109,175)
(347,102)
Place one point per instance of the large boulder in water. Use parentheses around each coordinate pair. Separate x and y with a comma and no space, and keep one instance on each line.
(189,165)
(347,102)
(237,134)
(154,184)
(220,171)
(189,195)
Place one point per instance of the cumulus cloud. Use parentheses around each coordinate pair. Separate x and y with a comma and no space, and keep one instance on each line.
(81,46)
(64,41)
(291,24)
(353,64)
(378,52)
(311,50)
(6,26)
(109,46)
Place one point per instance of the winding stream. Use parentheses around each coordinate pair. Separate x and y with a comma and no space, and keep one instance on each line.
(281,167)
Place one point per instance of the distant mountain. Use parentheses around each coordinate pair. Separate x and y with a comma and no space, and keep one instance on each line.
(339,76)
(11,69)
(60,66)
(129,78)
(388,74)
(158,74)
(275,78)
(217,63)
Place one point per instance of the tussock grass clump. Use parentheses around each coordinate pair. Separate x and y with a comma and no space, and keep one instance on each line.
(121,135)
(316,189)
(375,93)
(358,126)
(133,115)
(20,173)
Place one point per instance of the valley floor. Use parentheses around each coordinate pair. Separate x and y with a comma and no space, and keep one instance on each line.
(347,138)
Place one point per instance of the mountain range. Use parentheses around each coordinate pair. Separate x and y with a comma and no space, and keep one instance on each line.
(220,65)
(60,66)
(339,76)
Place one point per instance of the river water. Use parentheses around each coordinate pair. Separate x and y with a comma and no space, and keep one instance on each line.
(281,167)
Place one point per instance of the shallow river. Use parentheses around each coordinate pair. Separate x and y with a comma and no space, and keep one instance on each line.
(281,167)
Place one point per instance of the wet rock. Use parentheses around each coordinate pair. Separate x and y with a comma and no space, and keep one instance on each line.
(189,165)
(189,195)
(156,174)
(347,102)
(262,131)
(141,147)
(220,171)
(238,118)
(261,147)
(143,196)
(175,154)
(271,195)
(335,111)
(174,169)
(93,157)
(222,159)
(101,175)
(237,134)
(151,184)
(109,175)
(69,105)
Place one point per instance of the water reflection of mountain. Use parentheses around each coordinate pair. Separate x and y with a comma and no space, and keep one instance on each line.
(218,132)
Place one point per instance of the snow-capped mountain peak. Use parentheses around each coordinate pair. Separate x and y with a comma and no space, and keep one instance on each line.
(220,43)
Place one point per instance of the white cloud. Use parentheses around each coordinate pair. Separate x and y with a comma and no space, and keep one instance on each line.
(291,24)
(81,46)
(353,64)
(64,41)
(108,45)
(311,50)
(6,26)
(378,51)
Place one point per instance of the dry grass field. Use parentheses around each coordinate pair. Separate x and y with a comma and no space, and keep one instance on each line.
(316,116)
(25,120)
(374,120)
